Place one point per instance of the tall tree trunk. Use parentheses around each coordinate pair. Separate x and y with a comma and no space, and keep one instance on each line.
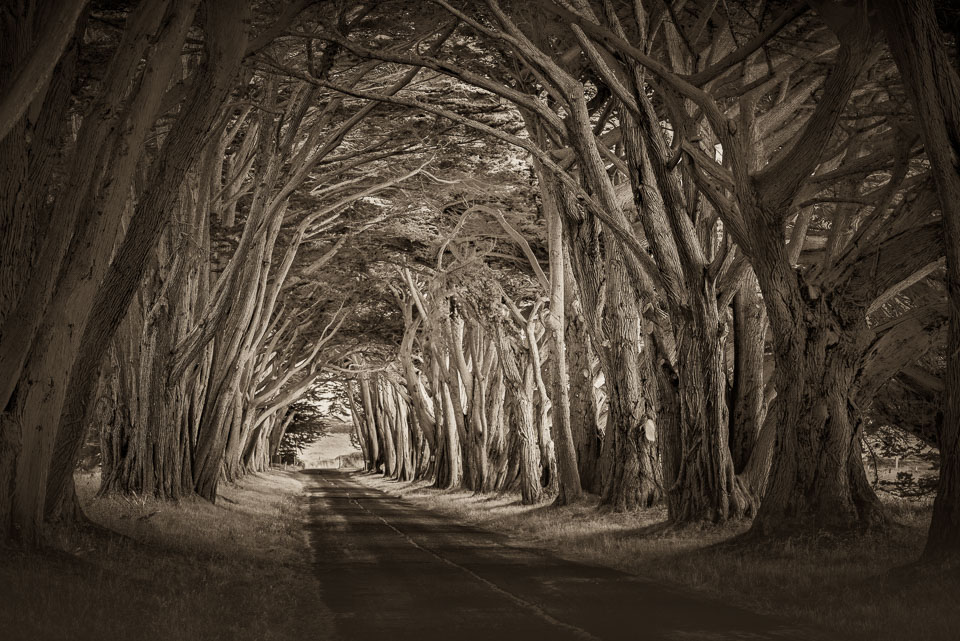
(570,487)
(933,86)
(385,423)
(155,321)
(232,351)
(583,400)
(629,470)
(814,478)
(375,461)
(519,376)
(146,451)
(404,429)
(668,413)
(454,458)
(494,432)
(634,480)
(746,399)
(36,407)
(706,487)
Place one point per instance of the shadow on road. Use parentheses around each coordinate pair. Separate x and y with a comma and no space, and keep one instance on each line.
(390,568)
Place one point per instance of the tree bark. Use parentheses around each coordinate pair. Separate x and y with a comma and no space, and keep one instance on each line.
(56,20)
(634,481)
(933,86)
(583,402)
(815,477)
(746,399)
(518,373)
(375,461)
(44,382)
(567,466)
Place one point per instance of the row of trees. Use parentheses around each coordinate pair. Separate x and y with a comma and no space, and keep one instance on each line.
(660,252)
(168,203)
(726,191)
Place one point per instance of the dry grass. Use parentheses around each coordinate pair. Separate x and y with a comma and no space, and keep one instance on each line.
(235,570)
(855,588)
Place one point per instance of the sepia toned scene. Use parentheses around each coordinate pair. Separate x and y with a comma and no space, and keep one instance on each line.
(480,320)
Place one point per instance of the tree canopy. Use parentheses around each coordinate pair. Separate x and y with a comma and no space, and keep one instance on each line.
(683,253)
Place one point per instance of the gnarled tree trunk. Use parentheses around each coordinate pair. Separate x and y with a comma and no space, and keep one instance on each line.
(815,478)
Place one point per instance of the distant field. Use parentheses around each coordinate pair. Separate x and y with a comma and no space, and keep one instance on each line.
(340,427)
(325,451)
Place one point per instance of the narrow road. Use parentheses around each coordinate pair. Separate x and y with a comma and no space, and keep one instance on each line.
(391,570)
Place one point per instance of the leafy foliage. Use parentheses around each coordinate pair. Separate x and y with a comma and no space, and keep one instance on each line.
(309,425)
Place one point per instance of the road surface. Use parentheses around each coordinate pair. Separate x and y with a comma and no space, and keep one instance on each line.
(390,570)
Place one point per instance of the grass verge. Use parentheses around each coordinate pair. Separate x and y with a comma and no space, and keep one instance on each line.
(856,588)
(189,570)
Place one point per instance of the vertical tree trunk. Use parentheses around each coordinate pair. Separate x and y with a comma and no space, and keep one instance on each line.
(814,477)
(373,442)
(357,421)
(583,401)
(706,487)
(933,86)
(531,460)
(629,471)
(43,386)
(405,437)
(494,432)
(232,350)
(147,450)
(385,428)
(521,386)
(455,371)
(570,487)
(548,460)
(444,464)
(634,480)
(453,459)
(746,402)
(668,413)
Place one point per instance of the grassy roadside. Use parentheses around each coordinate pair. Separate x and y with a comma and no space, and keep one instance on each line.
(853,587)
(236,570)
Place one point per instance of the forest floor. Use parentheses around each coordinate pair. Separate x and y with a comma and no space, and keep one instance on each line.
(238,570)
(243,569)
(857,588)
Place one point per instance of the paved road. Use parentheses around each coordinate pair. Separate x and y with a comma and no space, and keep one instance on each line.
(391,570)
